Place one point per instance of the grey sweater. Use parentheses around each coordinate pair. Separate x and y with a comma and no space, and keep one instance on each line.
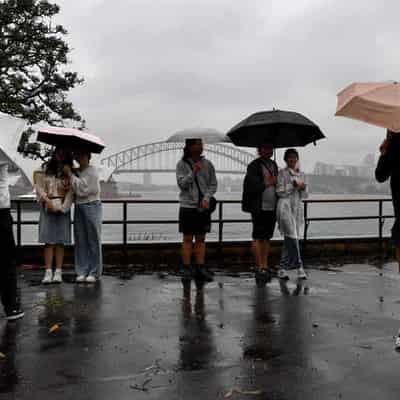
(189,194)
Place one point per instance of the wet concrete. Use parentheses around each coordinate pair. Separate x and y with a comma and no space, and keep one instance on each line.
(148,338)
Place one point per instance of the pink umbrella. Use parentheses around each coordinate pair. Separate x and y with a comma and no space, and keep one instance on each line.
(374,103)
(70,138)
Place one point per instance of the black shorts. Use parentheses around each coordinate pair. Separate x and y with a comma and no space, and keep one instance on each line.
(396,232)
(194,222)
(263,224)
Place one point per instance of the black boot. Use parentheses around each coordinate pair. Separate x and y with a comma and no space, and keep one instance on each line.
(187,274)
(202,275)
(262,277)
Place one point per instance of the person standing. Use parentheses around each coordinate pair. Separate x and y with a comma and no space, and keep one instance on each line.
(53,190)
(291,190)
(197,182)
(259,199)
(389,167)
(85,185)
(8,274)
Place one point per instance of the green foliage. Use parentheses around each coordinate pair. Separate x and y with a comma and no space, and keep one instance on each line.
(33,57)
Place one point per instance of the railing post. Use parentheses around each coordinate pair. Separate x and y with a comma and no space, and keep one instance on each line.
(380,227)
(125,231)
(220,232)
(19,221)
(306,223)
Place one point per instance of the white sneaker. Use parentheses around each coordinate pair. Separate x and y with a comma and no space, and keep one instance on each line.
(301,274)
(48,277)
(80,278)
(57,277)
(90,279)
(282,274)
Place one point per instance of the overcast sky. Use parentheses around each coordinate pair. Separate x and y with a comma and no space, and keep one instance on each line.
(155,67)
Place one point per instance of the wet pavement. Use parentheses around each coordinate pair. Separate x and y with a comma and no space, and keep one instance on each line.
(148,338)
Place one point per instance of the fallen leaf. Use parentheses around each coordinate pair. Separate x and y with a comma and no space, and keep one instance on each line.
(2,356)
(228,394)
(54,328)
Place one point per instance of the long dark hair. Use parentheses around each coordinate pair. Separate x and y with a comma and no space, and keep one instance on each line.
(187,152)
(54,167)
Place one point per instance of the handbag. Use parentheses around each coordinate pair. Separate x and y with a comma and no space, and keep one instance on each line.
(212,202)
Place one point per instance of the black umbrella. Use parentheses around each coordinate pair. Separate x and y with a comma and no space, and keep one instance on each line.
(277,127)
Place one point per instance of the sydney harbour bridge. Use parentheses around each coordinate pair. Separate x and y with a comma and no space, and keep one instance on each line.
(161,157)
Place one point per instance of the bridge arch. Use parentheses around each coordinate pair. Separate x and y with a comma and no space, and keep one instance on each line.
(126,160)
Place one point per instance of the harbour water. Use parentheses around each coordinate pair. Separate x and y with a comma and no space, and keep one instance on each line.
(231,231)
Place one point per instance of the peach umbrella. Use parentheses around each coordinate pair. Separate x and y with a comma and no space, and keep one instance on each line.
(374,103)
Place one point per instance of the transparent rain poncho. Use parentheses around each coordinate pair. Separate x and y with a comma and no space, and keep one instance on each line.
(290,213)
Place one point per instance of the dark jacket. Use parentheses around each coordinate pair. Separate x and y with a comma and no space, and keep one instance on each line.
(254,186)
(389,167)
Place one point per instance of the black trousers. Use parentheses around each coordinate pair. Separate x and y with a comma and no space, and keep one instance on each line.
(8,273)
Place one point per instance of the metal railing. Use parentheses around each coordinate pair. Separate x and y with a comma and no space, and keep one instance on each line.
(18,206)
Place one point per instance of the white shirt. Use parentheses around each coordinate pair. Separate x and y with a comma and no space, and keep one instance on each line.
(4,190)
(86,186)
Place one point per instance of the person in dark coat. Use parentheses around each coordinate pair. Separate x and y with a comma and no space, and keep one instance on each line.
(389,167)
(259,199)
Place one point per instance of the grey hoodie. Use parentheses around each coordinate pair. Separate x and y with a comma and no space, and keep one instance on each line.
(189,194)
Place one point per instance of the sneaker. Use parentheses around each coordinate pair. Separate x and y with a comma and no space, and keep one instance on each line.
(201,274)
(80,278)
(282,274)
(187,273)
(57,277)
(262,276)
(301,274)
(90,279)
(14,314)
(48,277)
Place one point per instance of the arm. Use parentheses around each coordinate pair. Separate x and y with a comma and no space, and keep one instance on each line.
(253,183)
(184,176)
(284,187)
(66,206)
(212,187)
(85,186)
(383,169)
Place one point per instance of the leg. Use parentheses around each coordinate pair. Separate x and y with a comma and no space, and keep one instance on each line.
(80,242)
(8,276)
(266,255)
(261,252)
(187,249)
(48,261)
(199,249)
(57,277)
(93,214)
(398,255)
(48,256)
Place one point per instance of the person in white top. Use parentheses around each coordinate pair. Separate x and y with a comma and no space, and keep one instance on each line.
(291,190)
(85,185)
(8,276)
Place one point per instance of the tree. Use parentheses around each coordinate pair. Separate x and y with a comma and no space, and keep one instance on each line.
(34,81)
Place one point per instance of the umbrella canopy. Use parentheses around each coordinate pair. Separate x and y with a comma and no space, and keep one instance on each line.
(374,103)
(207,135)
(70,138)
(277,127)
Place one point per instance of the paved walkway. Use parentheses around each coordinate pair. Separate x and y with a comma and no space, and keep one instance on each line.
(147,338)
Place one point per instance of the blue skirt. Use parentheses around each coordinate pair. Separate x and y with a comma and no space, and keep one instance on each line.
(54,228)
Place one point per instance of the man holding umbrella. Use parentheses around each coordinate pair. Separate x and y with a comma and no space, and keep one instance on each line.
(259,199)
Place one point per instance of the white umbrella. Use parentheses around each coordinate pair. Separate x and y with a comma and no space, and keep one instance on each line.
(207,135)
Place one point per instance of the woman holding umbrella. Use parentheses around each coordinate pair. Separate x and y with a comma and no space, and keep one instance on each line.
(389,167)
(53,190)
(197,182)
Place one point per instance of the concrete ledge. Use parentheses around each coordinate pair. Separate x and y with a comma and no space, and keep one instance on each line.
(227,254)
